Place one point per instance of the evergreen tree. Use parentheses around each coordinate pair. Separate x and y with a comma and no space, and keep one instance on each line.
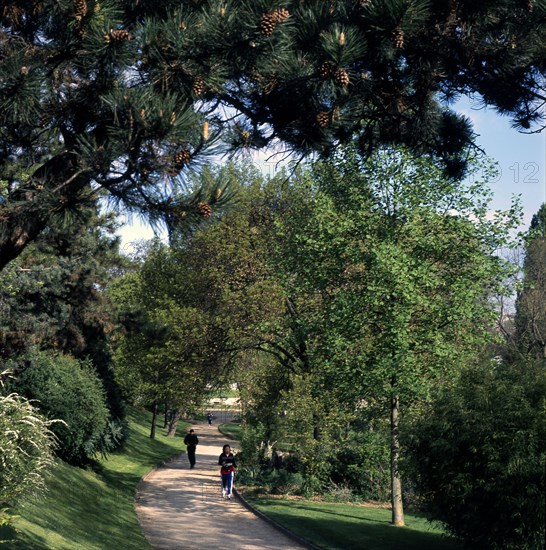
(124,95)
(531,302)
(51,297)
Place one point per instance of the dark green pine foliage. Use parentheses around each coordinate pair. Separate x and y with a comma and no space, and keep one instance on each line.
(52,297)
(128,96)
(530,319)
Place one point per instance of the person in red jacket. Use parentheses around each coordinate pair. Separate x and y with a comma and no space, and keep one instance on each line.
(228,466)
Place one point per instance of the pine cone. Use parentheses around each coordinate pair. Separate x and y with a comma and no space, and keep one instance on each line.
(280,14)
(182,158)
(342,77)
(198,86)
(80,9)
(323,119)
(327,70)
(204,209)
(116,36)
(398,37)
(268,23)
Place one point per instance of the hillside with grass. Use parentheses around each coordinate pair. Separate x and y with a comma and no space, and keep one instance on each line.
(93,508)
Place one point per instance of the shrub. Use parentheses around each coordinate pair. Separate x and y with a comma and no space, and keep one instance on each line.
(339,493)
(26,443)
(113,437)
(281,482)
(480,456)
(363,465)
(70,390)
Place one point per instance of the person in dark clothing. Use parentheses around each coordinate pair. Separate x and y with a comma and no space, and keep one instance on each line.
(191,442)
(228,466)
(209,417)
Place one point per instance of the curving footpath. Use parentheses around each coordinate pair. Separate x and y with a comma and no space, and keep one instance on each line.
(182,509)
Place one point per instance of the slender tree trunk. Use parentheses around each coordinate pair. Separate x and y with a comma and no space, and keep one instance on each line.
(176,415)
(154,420)
(166,414)
(396,481)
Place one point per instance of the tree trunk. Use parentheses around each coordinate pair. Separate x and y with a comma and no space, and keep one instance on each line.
(18,237)
(396,481)
(21,225)
(154,420)
(166,415)
(176,415)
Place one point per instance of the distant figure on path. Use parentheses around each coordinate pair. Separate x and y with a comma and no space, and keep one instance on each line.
(191,442)
(209,418)
(227,461)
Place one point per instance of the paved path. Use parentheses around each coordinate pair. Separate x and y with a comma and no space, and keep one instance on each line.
(182,509)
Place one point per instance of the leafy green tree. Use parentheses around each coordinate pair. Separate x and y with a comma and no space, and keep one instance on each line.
(123,96)
(392,265)
(169,352)
(479,453)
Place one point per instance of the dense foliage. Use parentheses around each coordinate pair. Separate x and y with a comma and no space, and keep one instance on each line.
(389,281)
(480,455)
(69,390)
(52,297)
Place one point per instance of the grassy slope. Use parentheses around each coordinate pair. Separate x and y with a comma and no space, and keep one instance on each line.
(350,527)
(88,510)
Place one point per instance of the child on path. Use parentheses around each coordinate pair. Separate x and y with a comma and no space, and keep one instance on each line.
(228,466)
(209,418)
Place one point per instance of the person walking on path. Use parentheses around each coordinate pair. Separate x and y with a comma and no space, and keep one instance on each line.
(179,508)
(191,442)
(209,418)
(228,466)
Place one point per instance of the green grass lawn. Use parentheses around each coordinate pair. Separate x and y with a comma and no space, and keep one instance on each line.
(231,429)
(352,527)
(94,508)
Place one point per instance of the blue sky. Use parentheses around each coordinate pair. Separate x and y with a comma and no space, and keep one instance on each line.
(520,157)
